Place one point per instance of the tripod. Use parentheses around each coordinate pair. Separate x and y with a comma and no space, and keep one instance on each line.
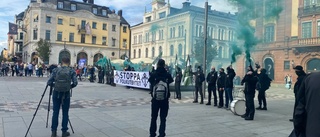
(35,113)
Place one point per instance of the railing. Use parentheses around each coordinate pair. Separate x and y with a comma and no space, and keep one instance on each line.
(309,41)
(309,10)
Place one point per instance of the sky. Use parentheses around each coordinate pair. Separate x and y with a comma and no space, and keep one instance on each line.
(132,10)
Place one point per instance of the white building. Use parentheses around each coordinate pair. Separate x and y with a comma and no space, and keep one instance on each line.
(175,30)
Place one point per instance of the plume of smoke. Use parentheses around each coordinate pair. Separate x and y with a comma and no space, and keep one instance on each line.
(245,31)
(154,27)
(236,51)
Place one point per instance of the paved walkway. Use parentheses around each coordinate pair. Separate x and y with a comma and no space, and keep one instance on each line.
(99,110)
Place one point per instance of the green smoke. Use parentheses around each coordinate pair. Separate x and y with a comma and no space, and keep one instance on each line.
(236,51)
(250,10)
(154,27)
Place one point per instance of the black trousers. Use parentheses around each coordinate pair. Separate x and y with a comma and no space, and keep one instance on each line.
(178,90)
(12,73)
(220,97)
(198,90)
(163,107)
(262,98)
(212,89)
(249,105)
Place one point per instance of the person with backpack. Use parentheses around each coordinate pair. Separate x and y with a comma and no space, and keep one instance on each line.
(63,79)
(160,80)
(199,78)
(264,82)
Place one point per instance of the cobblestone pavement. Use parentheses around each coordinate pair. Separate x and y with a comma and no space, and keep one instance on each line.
(99,110)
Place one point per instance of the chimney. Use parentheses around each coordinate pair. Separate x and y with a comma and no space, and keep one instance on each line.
(91,1)
(120,13)
(186,4)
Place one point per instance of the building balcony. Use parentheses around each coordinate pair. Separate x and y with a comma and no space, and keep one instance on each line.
(309,10)
(309,41)
(82,29)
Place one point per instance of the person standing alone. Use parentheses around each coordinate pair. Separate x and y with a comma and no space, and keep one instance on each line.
(160,80)
(63,79)
(264,82)
(177,83)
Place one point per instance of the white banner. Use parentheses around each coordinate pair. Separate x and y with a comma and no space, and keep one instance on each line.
(132,79)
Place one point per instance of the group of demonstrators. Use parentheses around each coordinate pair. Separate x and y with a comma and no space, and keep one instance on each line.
(23,69)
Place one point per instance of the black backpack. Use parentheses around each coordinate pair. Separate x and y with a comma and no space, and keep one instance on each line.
(63,79)
(160,90)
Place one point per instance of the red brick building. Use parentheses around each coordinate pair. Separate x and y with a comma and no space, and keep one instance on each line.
(293,38)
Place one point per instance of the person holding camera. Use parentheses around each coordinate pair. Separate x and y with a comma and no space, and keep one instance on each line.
(63,79)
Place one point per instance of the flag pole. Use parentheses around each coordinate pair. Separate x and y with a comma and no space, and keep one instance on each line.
(205,46)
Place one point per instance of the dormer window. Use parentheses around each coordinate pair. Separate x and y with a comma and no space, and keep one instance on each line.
(73,7)
(104,12)
(60,5)
(95,11)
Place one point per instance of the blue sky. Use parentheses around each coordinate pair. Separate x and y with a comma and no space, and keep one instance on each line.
(132,10)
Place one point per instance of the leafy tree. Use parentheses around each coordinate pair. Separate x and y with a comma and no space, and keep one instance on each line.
(198,51)
(44,49)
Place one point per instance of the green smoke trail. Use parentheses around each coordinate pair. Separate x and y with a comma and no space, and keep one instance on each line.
(249,10)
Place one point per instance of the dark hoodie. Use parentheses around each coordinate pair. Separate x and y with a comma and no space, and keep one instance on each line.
(229,78)
(161,73)
(264,80)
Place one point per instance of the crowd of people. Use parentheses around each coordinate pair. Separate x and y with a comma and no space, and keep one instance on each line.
(24,69)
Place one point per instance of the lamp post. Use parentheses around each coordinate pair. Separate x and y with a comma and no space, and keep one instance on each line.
(205,45)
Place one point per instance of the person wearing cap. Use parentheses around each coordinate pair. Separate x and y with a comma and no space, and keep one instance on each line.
(301,74)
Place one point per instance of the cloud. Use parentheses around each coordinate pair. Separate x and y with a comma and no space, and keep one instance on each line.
(3,44)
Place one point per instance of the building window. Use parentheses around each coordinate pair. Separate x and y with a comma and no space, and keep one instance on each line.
(179,31)
(197,31)
(83,24)
(269,34)
(170,32)
(35,34)
(47,35)
(180,50)
(160,50)
(147,37)
(48,19)
(104,40)
(104,26)
(147,52)
(73,7)
(71,37)
(139,53)
(318,28)
(148,19)
(222,34)
(307,3)
(200,31)
(134,39)
(124,42)
(113,27)
(140,39)
(171,50)
(124,29)
(36,19)
(60,21)
(113,53)
(59,36)
(134,53)
(104,12)
(21,36)
(95,10)
(94,39)
(94,25)
(153,38)
(286,65)
(153,52)
(113,42)
(83,38)
(72,22)
(162,15)
(174,32)
(60,5)
(306,30)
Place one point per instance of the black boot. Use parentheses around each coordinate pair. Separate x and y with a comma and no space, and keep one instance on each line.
(259,108)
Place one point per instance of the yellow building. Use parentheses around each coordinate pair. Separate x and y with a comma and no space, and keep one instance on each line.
(83,31)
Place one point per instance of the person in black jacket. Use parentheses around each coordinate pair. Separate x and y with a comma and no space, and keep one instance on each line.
(198,84)
(229,85)
(250,81)
(301,74)
(307,112)
(221,84)
(162,105)
(212,88)
(264,82)
(177,83)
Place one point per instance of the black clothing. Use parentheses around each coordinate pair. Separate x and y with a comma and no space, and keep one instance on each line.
(198,84)
(249,90)
(262,98)
(178,84)
(156,105)
(229,78)
(307,112)
(221,84)
(212,81)
(264,81)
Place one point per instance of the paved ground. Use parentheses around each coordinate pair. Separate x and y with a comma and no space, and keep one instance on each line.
(103,111)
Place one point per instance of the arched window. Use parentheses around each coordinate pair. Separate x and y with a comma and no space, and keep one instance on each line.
(160,50)
(153,52)
(171,50)
(134,53)
(313,65)
(180,50)
(139,53)
(147,52)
